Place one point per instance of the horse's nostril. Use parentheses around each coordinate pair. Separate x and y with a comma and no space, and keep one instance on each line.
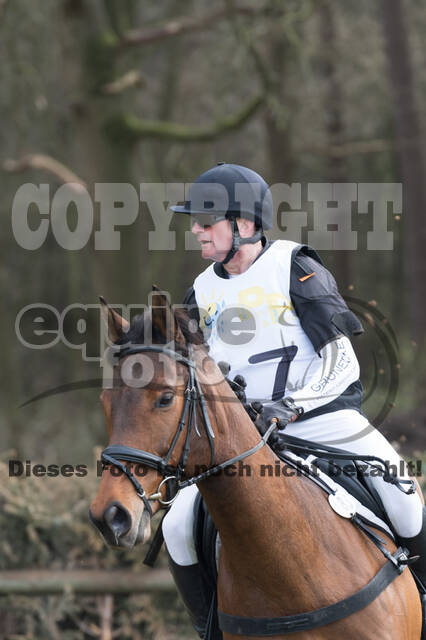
(118,520)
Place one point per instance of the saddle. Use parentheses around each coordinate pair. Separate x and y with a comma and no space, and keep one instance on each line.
(347,474)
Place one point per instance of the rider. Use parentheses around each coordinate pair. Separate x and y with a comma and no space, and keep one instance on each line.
(301,349)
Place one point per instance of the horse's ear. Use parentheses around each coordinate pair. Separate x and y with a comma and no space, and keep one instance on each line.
(116,324)
(163,318)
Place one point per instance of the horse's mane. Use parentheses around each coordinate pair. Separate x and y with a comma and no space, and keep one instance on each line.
(139,324)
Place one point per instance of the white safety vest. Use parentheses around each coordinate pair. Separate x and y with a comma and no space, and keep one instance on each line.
(249,321)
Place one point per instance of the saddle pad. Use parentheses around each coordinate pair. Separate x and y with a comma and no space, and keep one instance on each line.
(365,513)
(348,475)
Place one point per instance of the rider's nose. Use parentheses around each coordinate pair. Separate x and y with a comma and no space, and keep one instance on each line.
(117,519)
(196,228)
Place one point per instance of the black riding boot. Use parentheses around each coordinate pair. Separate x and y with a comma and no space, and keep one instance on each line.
(417,547)
(193,591)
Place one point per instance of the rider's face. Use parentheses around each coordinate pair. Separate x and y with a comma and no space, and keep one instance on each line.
(215,241)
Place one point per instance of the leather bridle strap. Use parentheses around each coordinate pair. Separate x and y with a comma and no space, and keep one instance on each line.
(139,490)
(231,461)
(131,454)
(245,626)
(320,450)
(131,349)
(193,394)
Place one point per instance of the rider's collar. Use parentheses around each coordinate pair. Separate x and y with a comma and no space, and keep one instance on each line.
(220,270)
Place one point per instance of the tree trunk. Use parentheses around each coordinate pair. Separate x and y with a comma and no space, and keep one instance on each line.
(277,112)
(333,108)
(411,164)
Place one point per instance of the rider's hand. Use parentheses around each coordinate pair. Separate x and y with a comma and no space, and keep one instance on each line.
(238,384)
(284,411)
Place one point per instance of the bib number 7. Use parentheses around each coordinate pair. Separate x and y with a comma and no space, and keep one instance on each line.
(287,354)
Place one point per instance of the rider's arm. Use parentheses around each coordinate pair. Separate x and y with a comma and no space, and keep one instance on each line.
(339,369)
(322,312)
(328,322)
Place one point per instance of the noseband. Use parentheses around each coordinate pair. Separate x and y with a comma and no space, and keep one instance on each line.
(172,476)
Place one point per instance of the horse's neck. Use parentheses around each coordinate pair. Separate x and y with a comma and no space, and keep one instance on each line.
(278,556)
(250,491)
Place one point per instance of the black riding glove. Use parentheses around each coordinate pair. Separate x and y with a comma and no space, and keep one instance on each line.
(255,410)
(238,384)
(284,411)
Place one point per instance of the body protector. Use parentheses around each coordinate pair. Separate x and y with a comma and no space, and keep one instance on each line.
(237,192)
(250,322)
(322,312)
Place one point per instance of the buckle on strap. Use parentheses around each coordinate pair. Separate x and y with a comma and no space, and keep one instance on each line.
(159,497)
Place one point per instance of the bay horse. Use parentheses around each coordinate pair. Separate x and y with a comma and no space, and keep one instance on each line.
(284,551)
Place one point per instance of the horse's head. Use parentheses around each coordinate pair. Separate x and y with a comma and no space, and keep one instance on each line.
(151,419)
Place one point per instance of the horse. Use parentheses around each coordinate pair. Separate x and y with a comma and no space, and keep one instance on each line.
(283,551)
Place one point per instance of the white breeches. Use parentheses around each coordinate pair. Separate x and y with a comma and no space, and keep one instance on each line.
(346,429)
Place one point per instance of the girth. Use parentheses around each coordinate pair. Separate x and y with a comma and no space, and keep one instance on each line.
(284,625)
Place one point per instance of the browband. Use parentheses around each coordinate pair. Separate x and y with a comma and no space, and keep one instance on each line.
(124,351)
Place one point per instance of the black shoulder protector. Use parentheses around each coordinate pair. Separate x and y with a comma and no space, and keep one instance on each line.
(348,323)
(322,311)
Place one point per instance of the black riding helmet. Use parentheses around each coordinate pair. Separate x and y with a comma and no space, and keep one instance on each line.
(231,191)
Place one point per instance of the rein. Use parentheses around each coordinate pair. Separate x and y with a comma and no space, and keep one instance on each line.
(172,476)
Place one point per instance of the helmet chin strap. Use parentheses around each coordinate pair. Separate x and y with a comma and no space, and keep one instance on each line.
(237,240)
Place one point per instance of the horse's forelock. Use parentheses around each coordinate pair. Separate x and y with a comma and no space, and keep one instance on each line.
(142,323)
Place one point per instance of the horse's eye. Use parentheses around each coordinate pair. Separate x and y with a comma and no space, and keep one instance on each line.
(165,399)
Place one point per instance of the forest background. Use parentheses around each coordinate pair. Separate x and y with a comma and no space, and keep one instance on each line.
(98,91)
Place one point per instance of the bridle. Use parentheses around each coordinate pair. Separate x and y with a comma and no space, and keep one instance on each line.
(172,476)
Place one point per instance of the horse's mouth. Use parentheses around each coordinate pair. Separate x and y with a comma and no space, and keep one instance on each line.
(144,529)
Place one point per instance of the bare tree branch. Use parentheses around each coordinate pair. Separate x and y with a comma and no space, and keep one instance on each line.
(178,27)
(90,629)
(357,146)
(133,78)
(242,35)
(45,163)
(131,128)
